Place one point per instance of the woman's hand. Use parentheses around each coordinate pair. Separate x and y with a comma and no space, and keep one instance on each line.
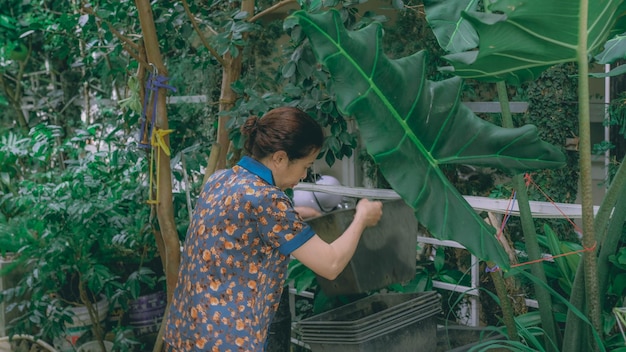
(368,212)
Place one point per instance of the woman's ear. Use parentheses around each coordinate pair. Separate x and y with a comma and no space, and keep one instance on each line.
(280,157)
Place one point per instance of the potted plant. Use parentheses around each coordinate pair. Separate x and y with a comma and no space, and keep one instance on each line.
(12,239)
(81,221)
(140,307)
(13,214)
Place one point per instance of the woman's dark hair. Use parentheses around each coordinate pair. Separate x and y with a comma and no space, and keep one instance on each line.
(285,128)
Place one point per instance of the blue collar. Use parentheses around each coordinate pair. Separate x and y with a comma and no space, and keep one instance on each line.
(257,168)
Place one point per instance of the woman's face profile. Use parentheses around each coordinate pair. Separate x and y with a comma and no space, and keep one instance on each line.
(289,172)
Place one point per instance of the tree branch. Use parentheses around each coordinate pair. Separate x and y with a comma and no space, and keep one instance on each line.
(206,44)
(269,10)
(7,90)
(131,47)
(15,95)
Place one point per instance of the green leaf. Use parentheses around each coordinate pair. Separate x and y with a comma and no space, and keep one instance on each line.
(519,40)
(289,69)
(614,49)
(619,70)
(619,284)
(329,158)
(560,299)
(7,22)
(312,6)
(411,126)
(555,250)
(420,283)
(301,276)
(453,32)
(529,319)
(440,259)
(619,259)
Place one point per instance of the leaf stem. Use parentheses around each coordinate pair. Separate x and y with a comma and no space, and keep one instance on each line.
(589,238)
(530,235)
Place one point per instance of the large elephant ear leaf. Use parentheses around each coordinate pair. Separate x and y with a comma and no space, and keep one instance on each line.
(519,40)
(411,126)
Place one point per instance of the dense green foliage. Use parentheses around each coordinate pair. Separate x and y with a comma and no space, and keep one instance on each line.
(71,109)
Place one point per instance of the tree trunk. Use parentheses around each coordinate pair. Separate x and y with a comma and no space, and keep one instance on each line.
(231,73)
(164,206)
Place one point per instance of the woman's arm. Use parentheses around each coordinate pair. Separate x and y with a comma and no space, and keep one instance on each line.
(329,260)
(307,212)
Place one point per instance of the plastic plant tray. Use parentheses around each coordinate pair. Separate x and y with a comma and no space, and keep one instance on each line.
(374,307)
(368,335)
(373,324)
(370,317)
(418,335)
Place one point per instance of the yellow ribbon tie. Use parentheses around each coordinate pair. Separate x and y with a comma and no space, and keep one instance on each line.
(157,140)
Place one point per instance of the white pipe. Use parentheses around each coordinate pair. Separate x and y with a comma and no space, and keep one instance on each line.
(499,206)
(607,128)
(475,315)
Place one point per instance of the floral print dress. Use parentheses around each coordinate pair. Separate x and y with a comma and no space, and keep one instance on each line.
(234,262)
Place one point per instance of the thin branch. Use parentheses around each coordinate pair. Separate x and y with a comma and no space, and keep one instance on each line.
(187,192)
(68,104)
(15,95)
(270,9)
(20,74)
(206,44)
(121,37)
(132,45)
(5,86)
(107,58)
(136,57)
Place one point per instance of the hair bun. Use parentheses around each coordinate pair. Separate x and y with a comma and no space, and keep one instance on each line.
(249,127)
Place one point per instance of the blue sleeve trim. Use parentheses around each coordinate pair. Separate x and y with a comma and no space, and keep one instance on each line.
(305,235)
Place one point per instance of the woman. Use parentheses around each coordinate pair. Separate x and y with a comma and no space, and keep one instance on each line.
(244,229)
